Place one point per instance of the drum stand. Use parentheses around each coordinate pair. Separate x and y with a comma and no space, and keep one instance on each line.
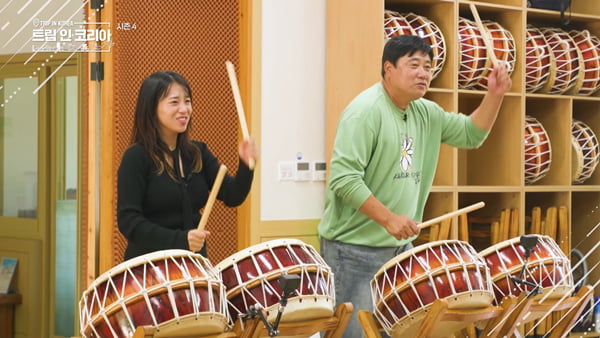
(498,321)
(436,315)
(288,283)
(248,324)
(528,242)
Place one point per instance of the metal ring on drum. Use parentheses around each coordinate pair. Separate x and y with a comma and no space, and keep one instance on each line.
(538,151)
(175,291)
(547,267)
(586,152)
(251,277)
(406,286)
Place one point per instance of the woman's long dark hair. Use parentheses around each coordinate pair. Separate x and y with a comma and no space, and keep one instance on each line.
(146,127)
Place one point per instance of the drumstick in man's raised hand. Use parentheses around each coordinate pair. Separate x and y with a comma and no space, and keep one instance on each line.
(451,214)
(212,197)
(489,45)
(238,103)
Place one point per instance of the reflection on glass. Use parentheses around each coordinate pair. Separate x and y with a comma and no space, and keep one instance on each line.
(66,204)
(19,147)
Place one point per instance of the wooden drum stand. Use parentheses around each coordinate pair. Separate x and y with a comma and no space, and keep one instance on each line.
(334,327)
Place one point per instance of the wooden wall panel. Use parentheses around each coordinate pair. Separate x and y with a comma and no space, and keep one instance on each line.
(194,38)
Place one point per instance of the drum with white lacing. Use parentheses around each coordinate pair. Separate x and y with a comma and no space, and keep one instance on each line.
(473,58)
(177,292)
(395,24)
(566,56)
(431,33)
(539,61)
(586,152)
(504,49)
(547,267)
(538,153)
(406,286)
(589,47)
(252,275)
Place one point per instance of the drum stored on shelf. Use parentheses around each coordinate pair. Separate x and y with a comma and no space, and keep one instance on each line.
(547,267)
(251,277)
(586,152)
(176,291)
(473,58)
(395,24)
(504,49)
(589,48)
(431,33)
(566,56)
(413,24)
(539,61)
(405,287)
(538,152)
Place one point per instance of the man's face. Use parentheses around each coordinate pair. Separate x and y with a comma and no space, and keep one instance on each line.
(411,75)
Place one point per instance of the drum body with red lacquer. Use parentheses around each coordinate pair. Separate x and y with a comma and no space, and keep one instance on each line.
(431,33)
(251,277)
(538,153)
(566,56)
(405,287)
(176,291)
(473,54)
(589,48)
(547,266)
(504,50)
(586,151)
(539,61)
(395,24)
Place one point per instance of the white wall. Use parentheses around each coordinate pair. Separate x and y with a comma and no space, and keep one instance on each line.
(293,105)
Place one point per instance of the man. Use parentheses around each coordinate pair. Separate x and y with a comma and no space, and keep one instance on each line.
(384,159)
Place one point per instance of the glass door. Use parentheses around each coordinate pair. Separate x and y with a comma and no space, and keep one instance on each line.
(65,187)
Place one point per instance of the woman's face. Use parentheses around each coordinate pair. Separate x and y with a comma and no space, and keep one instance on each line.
(173,112)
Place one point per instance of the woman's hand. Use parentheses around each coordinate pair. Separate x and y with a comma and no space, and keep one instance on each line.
(196,239)
(248,152)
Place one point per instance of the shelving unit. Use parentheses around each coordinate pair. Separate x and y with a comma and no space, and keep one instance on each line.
(493,173)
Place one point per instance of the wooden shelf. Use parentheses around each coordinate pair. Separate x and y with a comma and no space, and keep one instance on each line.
(494,173)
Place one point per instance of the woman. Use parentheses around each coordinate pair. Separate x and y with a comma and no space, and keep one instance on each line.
(164,178)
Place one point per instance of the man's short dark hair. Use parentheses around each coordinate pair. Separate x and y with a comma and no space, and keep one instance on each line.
(401,45)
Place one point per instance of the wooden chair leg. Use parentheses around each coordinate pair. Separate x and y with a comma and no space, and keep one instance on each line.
(433,317)
(463,227)
(504,325)
(343,313)
(370,326)
(567,322)
(144,332)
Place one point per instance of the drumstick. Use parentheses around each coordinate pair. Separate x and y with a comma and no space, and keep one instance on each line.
(238,103)
(489,45)
(451,214)
(212,197)
(563,229)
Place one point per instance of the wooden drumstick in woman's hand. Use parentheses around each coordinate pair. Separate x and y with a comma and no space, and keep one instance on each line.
(238,103)
(212,197)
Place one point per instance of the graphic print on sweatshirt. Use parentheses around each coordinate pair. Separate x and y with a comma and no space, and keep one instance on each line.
(406,160)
